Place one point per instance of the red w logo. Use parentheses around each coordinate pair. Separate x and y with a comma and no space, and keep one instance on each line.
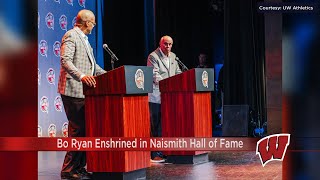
(272,147)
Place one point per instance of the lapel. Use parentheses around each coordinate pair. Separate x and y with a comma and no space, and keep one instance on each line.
(85,45)
(172,69)
(162,60)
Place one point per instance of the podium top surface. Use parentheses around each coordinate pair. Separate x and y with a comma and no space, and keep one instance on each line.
(126,79)
(194,80)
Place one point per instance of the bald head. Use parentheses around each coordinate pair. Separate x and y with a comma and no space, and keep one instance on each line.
(85,21)
(165,38)
(83,16)
(165,44)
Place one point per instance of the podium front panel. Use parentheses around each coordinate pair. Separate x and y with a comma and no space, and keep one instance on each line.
(138,79)
(123,80)
(118,107)
(204,79)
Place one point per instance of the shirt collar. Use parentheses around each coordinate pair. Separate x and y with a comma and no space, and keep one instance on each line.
(82,34)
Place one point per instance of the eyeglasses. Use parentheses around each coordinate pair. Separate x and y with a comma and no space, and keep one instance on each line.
(93,23)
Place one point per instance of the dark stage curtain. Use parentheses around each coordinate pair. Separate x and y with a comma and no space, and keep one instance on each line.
(128,31)
(190,24)
(99,33)
(244,65)
(132,29)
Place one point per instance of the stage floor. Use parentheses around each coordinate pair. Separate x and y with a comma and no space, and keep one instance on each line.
(222,165)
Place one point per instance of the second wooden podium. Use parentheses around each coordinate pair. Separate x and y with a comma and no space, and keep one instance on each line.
(118,107)
(186,110)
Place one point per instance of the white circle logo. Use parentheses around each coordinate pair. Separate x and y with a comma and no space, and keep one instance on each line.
(139,79)
(44,104)
(205,79)
(52,130)
(65,129)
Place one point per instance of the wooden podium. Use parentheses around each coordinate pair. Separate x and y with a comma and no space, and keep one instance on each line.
(186,111)
(118,107)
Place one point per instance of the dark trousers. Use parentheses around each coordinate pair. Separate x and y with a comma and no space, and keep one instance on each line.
(74,108)
(155,122)
(155,118)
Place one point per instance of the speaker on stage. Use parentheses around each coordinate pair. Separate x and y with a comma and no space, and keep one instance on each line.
(235,120)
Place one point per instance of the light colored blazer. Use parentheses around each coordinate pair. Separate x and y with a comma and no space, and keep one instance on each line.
(75,59)
(161,71)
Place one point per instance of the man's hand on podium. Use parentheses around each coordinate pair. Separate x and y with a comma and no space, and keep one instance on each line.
(89,81)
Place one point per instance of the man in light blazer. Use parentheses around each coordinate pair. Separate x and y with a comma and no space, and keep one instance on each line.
(164,65)
(78,66)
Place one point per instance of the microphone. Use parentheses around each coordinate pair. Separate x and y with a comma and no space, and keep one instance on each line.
(184,67)
(113,56)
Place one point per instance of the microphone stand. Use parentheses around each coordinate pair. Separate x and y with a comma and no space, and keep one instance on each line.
(112,63)
(184,67)
(113,56)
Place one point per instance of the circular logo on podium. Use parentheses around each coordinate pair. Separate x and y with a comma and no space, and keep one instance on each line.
(139,79)
(205,79)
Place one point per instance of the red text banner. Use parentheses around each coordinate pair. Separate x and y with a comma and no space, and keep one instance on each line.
(127,144)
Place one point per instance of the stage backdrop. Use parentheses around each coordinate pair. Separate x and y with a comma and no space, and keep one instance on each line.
(55,18)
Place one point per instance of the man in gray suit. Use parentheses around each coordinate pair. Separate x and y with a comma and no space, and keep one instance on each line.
(78,66)
(164,65)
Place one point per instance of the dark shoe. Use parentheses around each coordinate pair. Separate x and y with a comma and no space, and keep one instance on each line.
(85,174)
(70,175)
(164,156)
(156,154)
(160,154)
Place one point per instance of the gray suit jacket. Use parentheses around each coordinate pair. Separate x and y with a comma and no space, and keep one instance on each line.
(161,71)
(75,60)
